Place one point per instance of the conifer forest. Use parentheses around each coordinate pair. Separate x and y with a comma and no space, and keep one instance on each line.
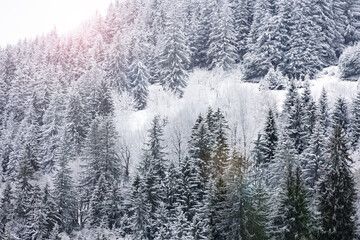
(185,120)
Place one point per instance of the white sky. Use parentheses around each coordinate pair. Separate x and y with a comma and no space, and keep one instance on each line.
(21,19)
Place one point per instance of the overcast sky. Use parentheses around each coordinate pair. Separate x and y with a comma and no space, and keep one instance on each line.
(21,19)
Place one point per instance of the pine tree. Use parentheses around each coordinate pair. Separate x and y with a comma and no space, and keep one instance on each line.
(294,220)
(105,104)
(340,115)
(234,215)
(50,211)
(291,97)
(264,45)
(31,134)
(309,106)
(324,118)
(295,126)
(200,146)
(286,154)
(116,205)
(36,225)
(342,21)
(152,170)
(141,208)
(138,76)
(116,63)
(75,128)
(100,157)
(273,80)
(301,59)
(193,195)
(174,59)
(220,160)
(337,191)
(64,197)
(201,41)
(314,160)
(217,208)
(355,11)
(270,138)
(52,131)
(8,135)
(192,12)
(99,204)
(222,52)
(258,206)
(323,16)
(172,192)
(6,209)
(24,203)
(242,24)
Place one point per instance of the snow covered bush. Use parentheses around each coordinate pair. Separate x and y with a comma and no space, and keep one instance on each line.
(273,80)
(349,62)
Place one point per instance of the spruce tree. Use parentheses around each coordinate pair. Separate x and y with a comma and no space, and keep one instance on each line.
(323,16)
(301,59)
(309,107)
(295,126)
(105,104)
(6,209)
(340,114)
(152,170)
(217,208)
(222,52)
(8,135)
(337,191)
(138,76)
(25,200)
(242,23)
(220,159)
(52,131)
(258,207)
(140,211)
(313,160)
(174,59)
(64,197)
(270,138)
(76,124)
(291,97)
(294,219)
(50,211)
(201,41)
(262,43)
(324,118)
(99,204)
(37,218)
(200,146)
(192,197)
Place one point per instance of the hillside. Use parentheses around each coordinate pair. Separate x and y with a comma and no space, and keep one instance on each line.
(156,121)
(243,103)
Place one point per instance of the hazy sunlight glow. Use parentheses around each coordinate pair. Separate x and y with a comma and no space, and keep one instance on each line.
(21,19)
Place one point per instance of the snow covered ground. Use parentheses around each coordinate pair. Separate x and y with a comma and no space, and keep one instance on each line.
(244,104)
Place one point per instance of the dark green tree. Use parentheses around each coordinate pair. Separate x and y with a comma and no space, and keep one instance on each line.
(337,191)
(294,219)
(340,115)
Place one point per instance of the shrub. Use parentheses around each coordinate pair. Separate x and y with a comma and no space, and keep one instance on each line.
(349,62)
(273,80)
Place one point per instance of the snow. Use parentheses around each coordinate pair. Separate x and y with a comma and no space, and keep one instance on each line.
(245,106)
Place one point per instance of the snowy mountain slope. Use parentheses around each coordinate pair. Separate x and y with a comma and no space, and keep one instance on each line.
(243,103)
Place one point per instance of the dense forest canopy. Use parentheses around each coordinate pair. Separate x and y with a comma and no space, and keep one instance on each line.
(57,106)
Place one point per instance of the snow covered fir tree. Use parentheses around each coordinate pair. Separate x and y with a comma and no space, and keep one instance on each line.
(193,119)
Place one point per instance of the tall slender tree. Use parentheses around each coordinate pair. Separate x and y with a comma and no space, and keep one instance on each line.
(337,191)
